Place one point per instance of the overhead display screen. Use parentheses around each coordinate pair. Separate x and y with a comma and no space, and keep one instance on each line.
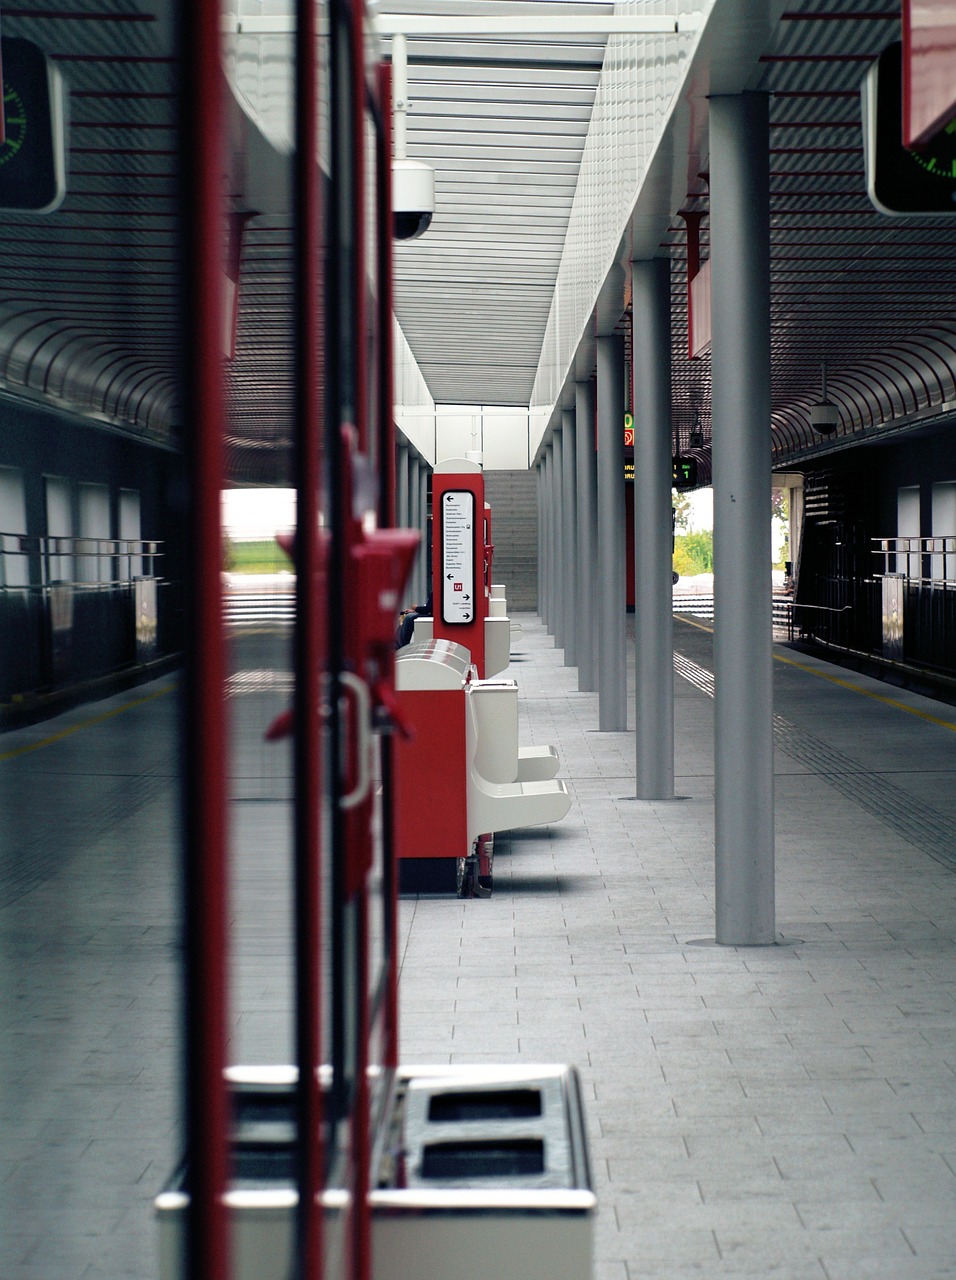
(458,556)
(900,181)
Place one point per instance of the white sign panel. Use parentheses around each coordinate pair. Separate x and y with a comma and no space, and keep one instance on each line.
(458,555)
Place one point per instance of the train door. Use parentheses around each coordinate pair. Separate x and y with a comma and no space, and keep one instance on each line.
(349,569)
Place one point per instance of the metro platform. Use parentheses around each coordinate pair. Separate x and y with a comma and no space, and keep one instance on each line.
(770,1111)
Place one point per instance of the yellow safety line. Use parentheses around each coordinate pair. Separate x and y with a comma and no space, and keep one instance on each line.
(847,684)
(83,724)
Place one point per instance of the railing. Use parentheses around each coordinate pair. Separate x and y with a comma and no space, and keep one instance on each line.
(28,560)
(700,604)
(912,556)
(75,609)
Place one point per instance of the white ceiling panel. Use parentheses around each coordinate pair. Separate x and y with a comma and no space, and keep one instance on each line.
(503,122)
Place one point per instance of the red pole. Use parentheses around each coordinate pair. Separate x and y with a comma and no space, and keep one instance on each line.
(361,1148)
(310,648)
(205,871)
(387,520)
(360,280)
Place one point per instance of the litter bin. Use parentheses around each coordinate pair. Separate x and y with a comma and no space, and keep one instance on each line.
(482,1172)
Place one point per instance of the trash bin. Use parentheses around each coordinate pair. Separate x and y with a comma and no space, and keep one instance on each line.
(482,1172)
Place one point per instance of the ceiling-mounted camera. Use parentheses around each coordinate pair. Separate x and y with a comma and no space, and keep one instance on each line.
(413,198)
(413,182)
(824,415)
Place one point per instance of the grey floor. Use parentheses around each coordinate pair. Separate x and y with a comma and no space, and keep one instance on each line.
(786,1111)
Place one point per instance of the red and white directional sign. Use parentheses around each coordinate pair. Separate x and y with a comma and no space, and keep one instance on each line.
(458,555)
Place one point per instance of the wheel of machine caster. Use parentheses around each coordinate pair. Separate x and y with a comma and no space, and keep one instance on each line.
(470,883)
(463,878)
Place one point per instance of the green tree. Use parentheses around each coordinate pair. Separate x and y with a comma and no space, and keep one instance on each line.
(681,504)
(694,553)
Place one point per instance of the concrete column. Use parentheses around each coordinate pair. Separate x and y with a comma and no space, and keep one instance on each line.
(557,539)
(743,664)
(586,473)
(569,535)
(653,589)
(545,603)
(424,560)
(612,669)
(401,486)
(542,541)
(414,520)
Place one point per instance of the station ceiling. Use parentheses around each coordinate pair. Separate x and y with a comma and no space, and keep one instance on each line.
(88,295)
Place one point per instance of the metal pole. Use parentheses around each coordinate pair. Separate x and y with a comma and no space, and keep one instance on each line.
(743,664)
(205,861)
(545,609)
(586,471)
(539,497)
(612,668)
(424,573)
(569,536)
(414,520)
(653,589)
(401,486)
(557,539)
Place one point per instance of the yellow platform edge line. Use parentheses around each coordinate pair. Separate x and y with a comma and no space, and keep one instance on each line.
(847,684)
(90,723)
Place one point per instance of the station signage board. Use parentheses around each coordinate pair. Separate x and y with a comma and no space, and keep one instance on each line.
(684,473)
(458,556)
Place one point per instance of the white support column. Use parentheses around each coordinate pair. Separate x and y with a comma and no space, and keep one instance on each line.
(539,536)
(557,538)
(743,662)
(424,559)
(586,469)
(611,549)
(569,533)
(653,584)
(401,486)
(414,516)
(547,598)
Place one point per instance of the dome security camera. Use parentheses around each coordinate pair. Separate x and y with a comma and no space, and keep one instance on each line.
(824,417)
(413,198)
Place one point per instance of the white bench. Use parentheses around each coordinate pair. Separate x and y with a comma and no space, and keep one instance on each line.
(504,806)
(498,757)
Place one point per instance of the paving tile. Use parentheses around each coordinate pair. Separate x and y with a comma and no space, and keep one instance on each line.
(772,1112)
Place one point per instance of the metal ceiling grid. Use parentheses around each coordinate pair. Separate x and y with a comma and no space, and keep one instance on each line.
(871,296)
(503,122)
(89,309)
(88,306)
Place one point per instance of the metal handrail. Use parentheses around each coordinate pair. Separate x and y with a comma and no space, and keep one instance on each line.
(908,546)
(60,557)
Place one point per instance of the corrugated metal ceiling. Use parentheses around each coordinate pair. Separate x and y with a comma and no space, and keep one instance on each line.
(869,295)
(87,305)
(503,122)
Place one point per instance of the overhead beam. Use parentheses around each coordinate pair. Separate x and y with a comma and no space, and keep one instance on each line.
(413,24)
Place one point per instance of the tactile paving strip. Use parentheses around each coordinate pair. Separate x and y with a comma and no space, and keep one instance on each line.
(929,830)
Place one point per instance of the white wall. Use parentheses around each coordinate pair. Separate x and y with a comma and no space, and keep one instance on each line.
(498,433)
(14,566)
(94,507)
(944,526)
(907,526)
(59,524)
(130,530)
